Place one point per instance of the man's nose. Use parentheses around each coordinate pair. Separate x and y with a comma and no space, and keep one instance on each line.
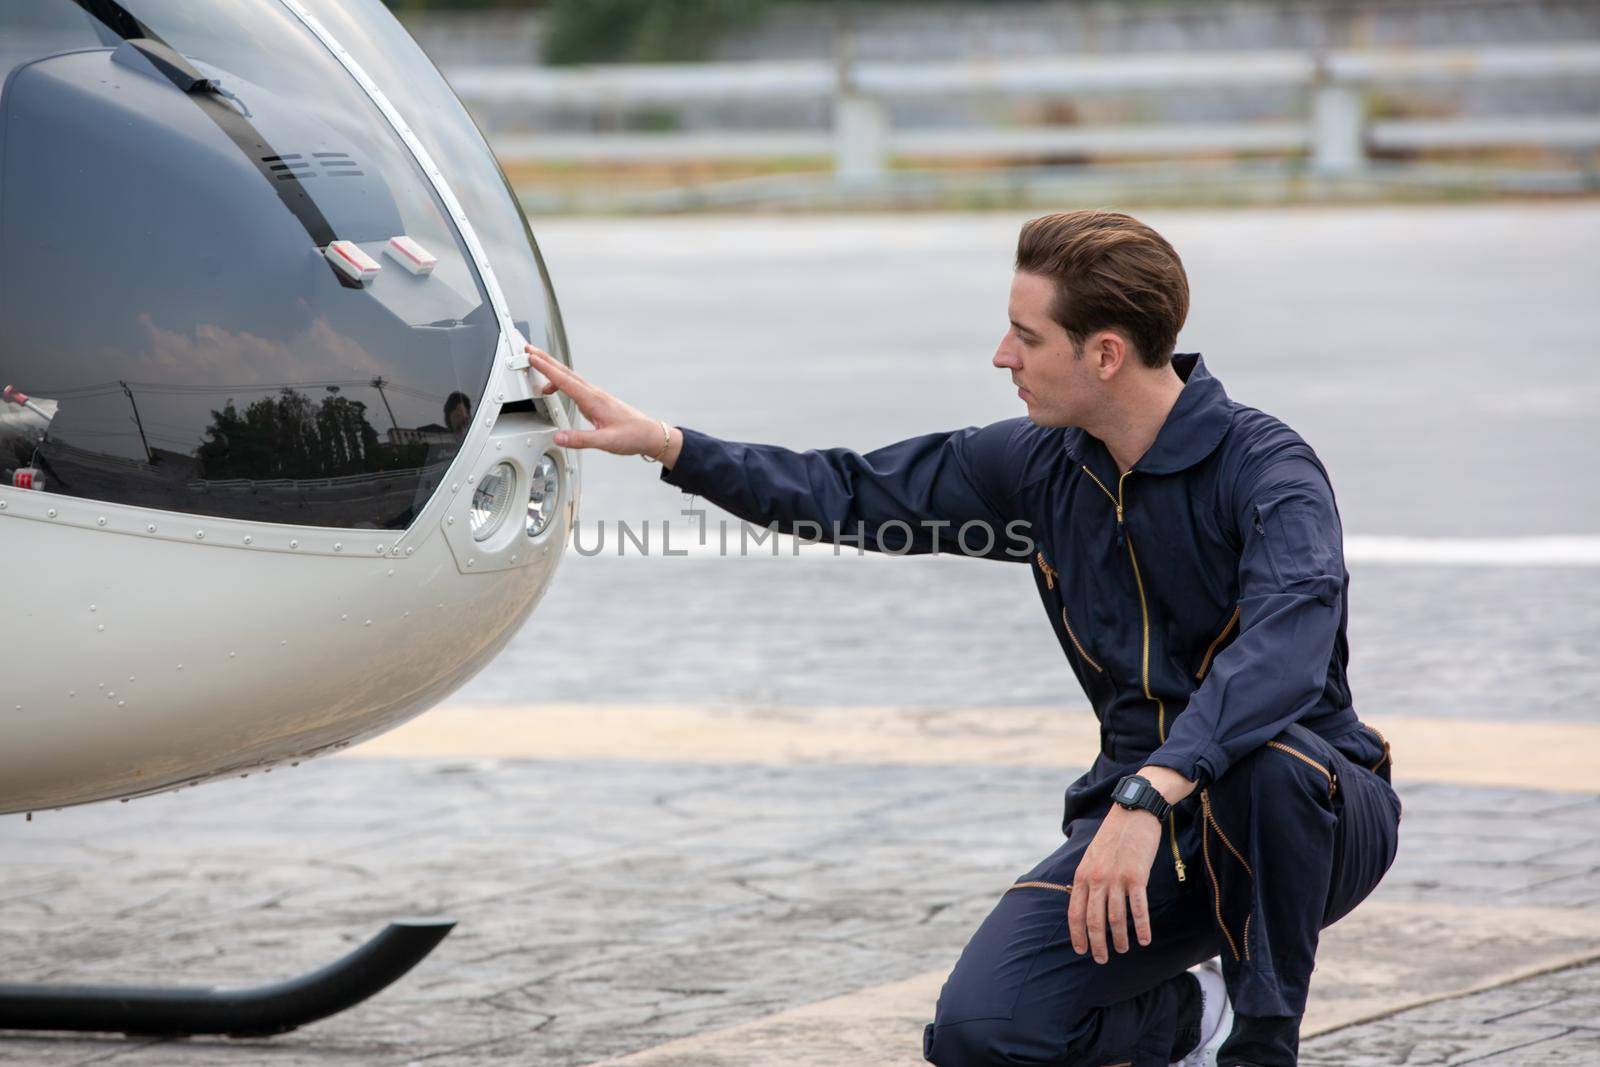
(1005,356)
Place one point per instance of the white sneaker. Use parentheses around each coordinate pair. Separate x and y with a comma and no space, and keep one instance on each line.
(1216,1015)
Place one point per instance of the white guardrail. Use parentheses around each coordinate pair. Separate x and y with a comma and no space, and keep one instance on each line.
(1336,132)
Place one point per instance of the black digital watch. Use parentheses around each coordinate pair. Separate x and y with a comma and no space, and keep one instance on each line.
(1136,793)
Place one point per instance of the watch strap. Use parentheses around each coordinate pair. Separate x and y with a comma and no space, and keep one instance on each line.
(1146,798)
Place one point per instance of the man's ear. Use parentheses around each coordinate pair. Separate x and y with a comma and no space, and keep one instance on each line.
(1109,352)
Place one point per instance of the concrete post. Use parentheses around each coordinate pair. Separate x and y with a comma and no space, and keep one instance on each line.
(1338,143)
(860,123)
(861,136)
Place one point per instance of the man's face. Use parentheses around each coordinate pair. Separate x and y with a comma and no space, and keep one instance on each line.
(1057,386)
(459,418)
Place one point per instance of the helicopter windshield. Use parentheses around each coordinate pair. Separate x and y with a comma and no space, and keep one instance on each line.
(226,275)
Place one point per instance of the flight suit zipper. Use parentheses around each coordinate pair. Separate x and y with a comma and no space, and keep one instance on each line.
(1144,652)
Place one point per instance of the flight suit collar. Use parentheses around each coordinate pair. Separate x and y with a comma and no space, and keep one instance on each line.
(1194,427)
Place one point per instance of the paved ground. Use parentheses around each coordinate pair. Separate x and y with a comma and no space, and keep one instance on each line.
(744,812)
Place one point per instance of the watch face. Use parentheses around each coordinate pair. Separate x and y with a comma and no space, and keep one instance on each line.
(1128,792)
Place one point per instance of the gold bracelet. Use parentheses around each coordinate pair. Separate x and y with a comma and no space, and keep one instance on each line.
(666,443)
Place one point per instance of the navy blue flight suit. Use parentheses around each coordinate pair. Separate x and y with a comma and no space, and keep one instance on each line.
(1201,600)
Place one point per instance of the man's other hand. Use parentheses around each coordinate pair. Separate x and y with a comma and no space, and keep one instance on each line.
(1109,885)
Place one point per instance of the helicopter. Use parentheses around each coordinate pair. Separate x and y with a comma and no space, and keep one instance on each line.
(275,475)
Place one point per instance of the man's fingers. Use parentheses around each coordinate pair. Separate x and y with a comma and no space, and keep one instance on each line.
(578,438)
(1140,906)
(1077,907)
(1117,914)
(567,379)
(1096,922)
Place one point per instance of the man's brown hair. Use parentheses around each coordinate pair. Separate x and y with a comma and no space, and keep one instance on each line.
(1112,272)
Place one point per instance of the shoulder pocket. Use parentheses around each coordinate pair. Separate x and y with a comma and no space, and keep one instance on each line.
(1301,548)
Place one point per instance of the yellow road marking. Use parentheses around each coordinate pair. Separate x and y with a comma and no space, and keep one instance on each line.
(1524,753)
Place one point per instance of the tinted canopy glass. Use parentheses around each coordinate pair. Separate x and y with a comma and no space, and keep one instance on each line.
(173,175)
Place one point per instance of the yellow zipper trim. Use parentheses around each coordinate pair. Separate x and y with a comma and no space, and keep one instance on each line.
(1144,653)
(1049,571)
(1109,494)
(1209,823)
(1216,888)
(1211,817)
(1056,886)
(1388,756)
(1078,644)
(1205,664)
(1144,675)
(1303,758)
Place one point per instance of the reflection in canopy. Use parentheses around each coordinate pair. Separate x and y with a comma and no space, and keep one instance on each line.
(179,305)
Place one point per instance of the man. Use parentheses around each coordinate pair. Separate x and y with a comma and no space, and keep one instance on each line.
(1188,553)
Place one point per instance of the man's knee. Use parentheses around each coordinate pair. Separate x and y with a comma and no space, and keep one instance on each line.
(1291,766)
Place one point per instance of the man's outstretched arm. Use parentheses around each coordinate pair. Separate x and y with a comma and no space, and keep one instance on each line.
(918,495)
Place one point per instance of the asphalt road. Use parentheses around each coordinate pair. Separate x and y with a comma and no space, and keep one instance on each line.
(1441,360)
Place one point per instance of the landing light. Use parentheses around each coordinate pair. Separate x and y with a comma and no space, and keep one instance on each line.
(491,500)
(543,495)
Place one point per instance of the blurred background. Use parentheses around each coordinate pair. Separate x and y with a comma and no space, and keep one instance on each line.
(657,105)
(794,222)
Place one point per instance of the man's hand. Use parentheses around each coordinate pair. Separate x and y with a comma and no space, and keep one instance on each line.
(1115,869)
(619,428)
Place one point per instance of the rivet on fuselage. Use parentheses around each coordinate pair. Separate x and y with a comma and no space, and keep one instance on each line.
(101,521)
(248,539)
(294,544)
(380,550)
(409,550)
(338,546)
(150,527)
(51,513)
(199,535)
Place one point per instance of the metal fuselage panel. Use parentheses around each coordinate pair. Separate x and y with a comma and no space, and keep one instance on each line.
(151,663)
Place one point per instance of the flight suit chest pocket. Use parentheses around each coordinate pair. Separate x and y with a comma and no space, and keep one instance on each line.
(1059,604)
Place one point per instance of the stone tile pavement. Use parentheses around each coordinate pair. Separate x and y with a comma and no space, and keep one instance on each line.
(742,912)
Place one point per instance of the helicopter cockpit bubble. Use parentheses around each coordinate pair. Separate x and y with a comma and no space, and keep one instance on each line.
(198,174)
(274,284)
